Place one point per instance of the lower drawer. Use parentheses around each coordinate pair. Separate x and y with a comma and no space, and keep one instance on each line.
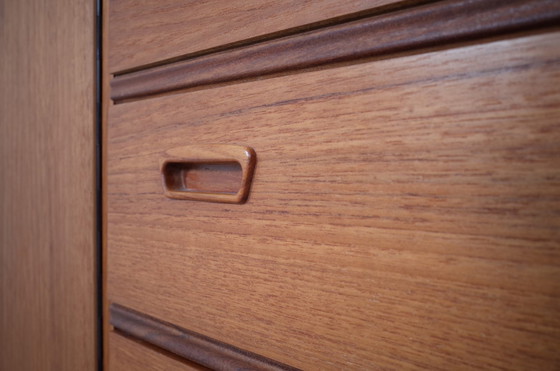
(404,213)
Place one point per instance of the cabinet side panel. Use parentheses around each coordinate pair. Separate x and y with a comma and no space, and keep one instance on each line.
(47,185)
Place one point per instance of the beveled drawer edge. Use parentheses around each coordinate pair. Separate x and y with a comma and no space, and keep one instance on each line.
(188,344)
(423,26)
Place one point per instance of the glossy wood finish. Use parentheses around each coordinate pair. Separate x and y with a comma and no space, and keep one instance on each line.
(177,163)
(187,344)
(47,186)
(404,214)
(430,25)
(150,31)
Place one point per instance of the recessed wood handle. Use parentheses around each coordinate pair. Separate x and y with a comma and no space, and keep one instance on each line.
(212,172)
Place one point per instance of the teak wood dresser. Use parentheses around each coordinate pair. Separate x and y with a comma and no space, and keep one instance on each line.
(333,185)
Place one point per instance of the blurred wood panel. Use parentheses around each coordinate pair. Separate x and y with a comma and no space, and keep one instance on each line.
(404,213)
(129,355)
(146,32)
(188,345)
(47,185)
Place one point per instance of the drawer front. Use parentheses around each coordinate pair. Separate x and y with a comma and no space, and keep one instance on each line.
(149,31)
(404,213)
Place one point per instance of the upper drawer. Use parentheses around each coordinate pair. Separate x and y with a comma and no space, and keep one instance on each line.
(404,213)
(144,32)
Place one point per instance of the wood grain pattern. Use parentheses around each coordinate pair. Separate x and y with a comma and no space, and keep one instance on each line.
(424,26)
(177,161)
(419,228)
(130,355)
(47,186)
(154,30)
(190,345)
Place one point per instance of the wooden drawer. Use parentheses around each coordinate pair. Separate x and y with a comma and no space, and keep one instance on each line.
(404,213)
(150,31)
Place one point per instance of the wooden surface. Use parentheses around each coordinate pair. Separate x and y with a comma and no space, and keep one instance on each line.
(47,186)
(105,104)
(437,24)
(220,178)
(155,30)
(130,355)
(187,344)
(177,182)
(404,213)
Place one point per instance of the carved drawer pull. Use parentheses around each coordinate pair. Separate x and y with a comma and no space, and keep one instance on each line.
(213,172)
